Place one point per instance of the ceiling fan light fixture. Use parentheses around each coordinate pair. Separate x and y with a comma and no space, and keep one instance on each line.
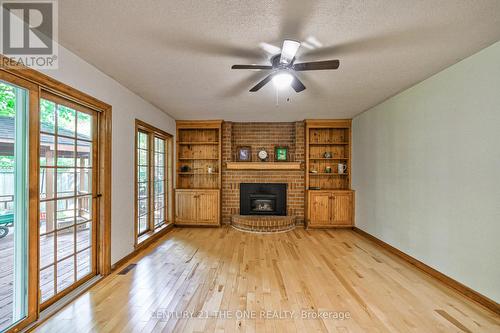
(283,66)
(282,80)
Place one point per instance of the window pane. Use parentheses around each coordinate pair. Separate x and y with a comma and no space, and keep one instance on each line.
(65,273)
(83,181)
(142,140)
(159,145)
(83,209)
(83,236)
(159,217)
(47,283)
(46,250)
(143,207)
(159,159)
(142,157)
(142,174)
(65,243)
(83,263)
(159,202)
(159,187)
(83,154)
(142,190)
(143,224)
(65,152)
(47,183)
(65,121)
(160,173)
(47,116)
(65,182)
(47,215)
(65,213)
(84,123)
(47,150)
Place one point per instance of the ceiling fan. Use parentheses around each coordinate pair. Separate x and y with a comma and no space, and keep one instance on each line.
(283,68)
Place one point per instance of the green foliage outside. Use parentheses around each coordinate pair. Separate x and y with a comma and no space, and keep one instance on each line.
(7,100)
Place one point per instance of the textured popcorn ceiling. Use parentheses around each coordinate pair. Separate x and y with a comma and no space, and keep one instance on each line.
(178,54)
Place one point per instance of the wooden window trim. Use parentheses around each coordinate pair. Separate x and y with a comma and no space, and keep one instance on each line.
(140,238)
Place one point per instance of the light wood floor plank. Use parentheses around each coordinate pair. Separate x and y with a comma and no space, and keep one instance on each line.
(203,280)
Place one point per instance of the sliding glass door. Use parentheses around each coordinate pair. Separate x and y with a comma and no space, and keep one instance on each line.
(54,166)
(67,181)
(14,221)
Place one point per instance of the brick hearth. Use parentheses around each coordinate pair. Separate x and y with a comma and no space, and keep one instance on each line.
(263,223)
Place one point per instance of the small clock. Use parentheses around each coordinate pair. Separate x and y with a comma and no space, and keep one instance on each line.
(262,154)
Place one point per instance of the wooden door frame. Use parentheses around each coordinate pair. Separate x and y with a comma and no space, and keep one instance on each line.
(39,82)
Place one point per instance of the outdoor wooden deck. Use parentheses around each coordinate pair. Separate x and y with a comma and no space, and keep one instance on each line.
(64,272)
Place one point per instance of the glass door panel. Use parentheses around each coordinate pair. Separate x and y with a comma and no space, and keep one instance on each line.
(159,207)
(14,222)
(67,188)
(143,193)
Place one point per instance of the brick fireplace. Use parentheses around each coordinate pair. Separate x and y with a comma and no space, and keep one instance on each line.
(267,136)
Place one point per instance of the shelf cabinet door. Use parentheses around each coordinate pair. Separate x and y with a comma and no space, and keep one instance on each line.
(342,207)
(185,207)
(319,208)
(208,207)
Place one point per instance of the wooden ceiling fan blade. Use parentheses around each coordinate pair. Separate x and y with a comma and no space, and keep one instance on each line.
(297,85)
(317,65)
(264,67)
(262,83)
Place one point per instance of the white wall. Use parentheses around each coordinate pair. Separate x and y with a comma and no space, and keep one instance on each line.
(426,168)
(127,106)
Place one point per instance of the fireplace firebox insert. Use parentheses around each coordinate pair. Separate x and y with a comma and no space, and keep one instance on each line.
(262,199)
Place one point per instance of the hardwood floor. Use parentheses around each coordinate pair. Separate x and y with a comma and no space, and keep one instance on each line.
(222,274)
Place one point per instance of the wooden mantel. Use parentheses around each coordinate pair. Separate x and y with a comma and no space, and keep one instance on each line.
(263,165)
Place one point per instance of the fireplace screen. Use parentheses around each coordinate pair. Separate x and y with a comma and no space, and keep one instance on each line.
(263,203)
(262,199)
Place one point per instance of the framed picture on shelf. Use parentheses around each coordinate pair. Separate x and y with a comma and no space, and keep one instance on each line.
(281,154)
(244,154)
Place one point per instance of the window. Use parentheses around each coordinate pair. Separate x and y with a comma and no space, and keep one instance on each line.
(153,180)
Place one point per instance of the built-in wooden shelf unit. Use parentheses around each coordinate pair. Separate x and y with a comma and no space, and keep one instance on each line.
(333,137)
(198,149)
(329,196)
(198,171)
